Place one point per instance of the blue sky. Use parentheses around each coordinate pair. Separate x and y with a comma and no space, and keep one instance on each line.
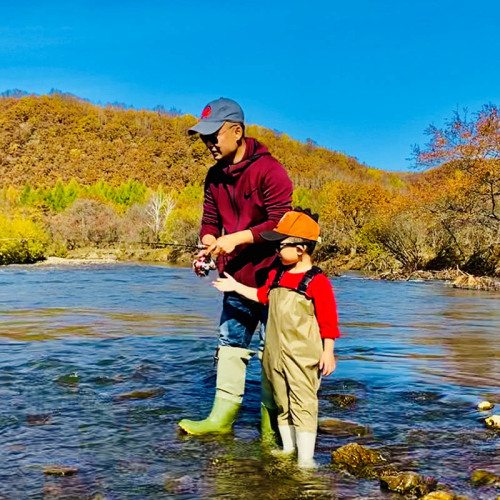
(363,77)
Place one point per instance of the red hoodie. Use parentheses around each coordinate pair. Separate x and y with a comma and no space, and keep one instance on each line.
(252,194)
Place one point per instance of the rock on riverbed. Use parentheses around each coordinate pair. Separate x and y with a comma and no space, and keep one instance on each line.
(149,393)
(342,400)
(485,478)
(59,470)
(407,483)
(342,428)
(493,422)
(360,461)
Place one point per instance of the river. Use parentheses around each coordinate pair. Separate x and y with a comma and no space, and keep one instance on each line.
(418,356)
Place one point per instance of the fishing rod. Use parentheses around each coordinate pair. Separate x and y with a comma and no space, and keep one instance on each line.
(160,244)
(201,266)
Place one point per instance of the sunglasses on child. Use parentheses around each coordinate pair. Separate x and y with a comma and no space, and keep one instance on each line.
(284,245)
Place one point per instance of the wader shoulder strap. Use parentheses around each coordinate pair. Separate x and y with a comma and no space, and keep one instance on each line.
(276,281)
(304,282)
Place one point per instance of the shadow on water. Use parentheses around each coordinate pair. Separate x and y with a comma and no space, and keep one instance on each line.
(98,364)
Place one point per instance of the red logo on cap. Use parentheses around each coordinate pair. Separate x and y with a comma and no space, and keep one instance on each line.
(206,112)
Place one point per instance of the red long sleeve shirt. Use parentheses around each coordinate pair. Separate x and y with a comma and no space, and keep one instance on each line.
(320,290)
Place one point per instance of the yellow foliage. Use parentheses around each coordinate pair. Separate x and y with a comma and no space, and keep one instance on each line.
(46,138)
(352,204)
(21,240)
(9,196)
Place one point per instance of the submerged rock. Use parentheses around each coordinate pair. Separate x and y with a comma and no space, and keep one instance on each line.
(59,470)
(17,447)
(41,419)
(342,428)
(342,400)
(153,392)
(485,478)
(359,461)
(6,420)
(407,483)
(108,380)
(423,397)
(182,485)
(145,370)
(493,422)
(70,379)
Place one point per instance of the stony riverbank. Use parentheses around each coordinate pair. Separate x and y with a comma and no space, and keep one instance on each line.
(455,277)
(119,254)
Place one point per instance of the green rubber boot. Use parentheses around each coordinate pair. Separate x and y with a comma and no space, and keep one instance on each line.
(220,420)
(231,371)
(268,414)
(269,426)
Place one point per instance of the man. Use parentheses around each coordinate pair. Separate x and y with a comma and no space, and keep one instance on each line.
(246,192)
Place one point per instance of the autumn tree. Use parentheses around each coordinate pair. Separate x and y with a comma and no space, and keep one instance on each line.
(466,199)
(159,207)
(471,147)
(86,223)
(348,207)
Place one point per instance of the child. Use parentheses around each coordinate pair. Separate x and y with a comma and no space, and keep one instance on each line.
(300,332)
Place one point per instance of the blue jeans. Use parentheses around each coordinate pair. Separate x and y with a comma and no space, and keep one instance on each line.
(239,319)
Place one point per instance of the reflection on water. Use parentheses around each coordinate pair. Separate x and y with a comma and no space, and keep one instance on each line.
(44,324)
(417,356)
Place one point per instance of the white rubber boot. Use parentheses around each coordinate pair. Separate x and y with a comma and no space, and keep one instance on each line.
(306,442)
(287,433)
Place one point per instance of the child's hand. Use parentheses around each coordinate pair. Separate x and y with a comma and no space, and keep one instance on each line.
(327,363)
(227,284)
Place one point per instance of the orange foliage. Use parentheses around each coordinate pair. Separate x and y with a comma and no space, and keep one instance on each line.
(468,153)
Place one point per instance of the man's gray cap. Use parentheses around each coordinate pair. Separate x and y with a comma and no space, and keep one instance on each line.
(214,115)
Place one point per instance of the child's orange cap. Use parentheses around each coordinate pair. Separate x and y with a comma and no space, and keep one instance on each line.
(297,224)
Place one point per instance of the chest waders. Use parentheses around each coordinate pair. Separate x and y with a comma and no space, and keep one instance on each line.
(291,362)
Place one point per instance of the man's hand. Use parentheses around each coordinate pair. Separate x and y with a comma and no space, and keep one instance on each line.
(223,245)
(207,240)
(327,363)
(227,284)
(226,244)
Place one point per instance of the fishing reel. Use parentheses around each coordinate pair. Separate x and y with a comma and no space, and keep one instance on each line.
(203,265)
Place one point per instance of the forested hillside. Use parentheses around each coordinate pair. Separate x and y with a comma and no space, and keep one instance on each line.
(57,136)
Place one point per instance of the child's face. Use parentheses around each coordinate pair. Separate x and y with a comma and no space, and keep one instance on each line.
(289,252)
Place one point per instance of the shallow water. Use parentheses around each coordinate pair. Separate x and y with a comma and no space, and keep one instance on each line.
(418,357)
